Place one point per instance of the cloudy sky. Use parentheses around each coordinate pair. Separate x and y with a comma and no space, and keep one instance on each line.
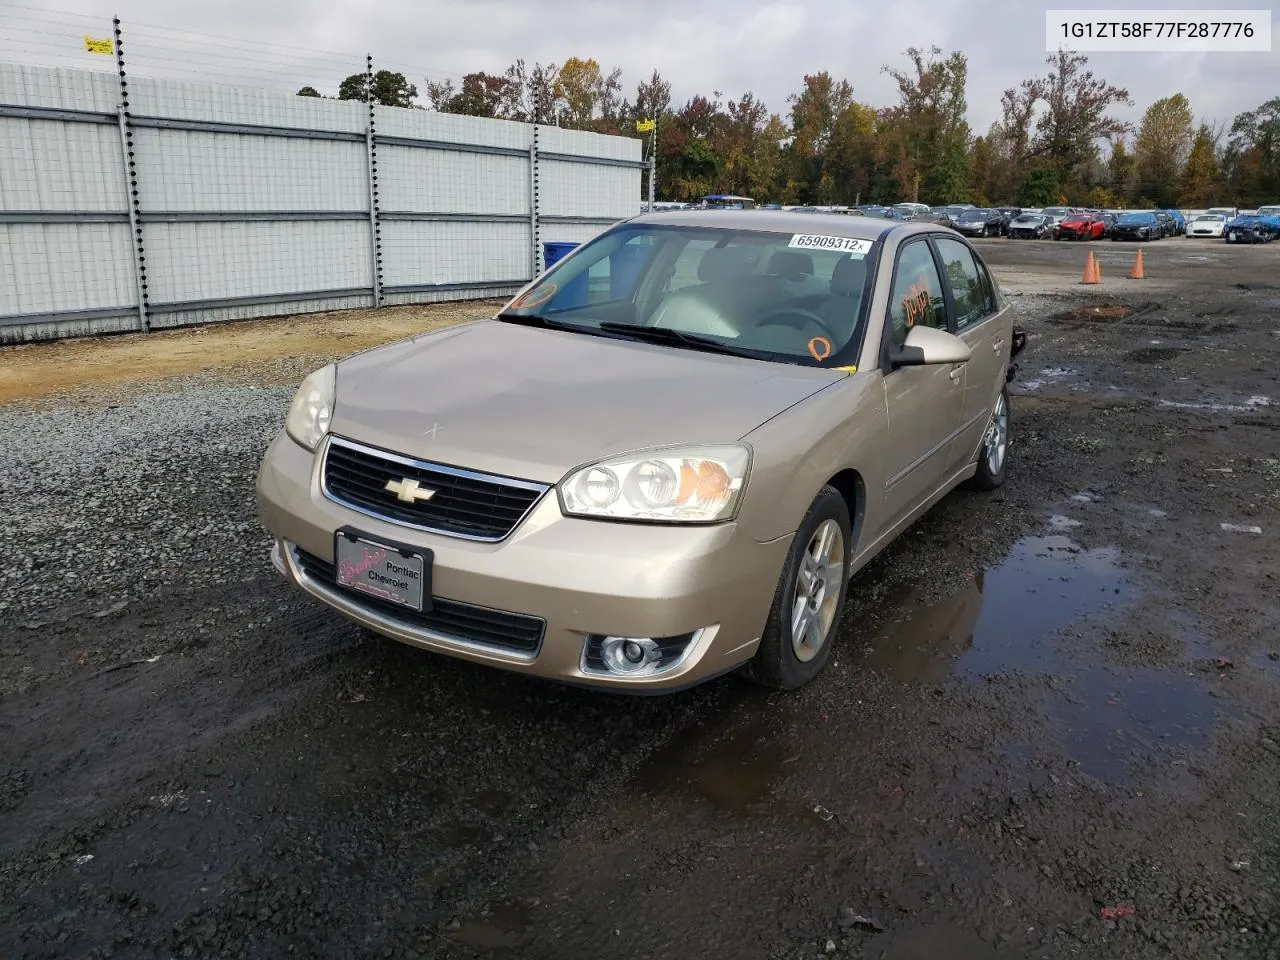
(698,46)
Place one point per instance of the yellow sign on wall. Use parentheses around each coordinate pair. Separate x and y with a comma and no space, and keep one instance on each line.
(644,126)
(98,46)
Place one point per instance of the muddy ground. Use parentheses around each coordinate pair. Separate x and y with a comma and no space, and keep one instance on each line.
(1051,728)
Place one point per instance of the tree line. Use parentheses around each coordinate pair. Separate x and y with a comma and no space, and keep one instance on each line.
(1057,141)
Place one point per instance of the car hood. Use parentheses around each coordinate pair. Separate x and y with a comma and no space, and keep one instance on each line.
(532,403)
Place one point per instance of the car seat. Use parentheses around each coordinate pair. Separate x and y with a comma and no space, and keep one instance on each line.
(791,265)
(839,311)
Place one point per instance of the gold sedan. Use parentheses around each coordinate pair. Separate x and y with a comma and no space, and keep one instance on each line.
(663,460)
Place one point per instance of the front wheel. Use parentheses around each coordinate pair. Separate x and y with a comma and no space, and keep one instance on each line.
(805,616)
(993,460)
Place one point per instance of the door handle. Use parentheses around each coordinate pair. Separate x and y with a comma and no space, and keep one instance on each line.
(956,371)
(998,345)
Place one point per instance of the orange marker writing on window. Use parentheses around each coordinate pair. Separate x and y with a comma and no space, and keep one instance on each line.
(819,348)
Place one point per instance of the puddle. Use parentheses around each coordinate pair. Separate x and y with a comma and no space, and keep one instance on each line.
(733,769)
(1009,619)
(502,926)
(1112,718)
(1006,618)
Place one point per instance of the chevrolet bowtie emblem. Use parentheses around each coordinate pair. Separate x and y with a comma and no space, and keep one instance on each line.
(408,490)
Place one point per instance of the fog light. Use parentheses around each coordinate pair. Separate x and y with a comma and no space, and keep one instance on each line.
(628,654)
(636,656)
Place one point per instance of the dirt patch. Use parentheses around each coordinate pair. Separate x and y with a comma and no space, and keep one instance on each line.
(70,368)
(1153,354)
(1105,311)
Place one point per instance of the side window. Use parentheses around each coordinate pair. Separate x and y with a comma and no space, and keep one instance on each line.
(988,286)
(965,280)
(916,298)
(609,277)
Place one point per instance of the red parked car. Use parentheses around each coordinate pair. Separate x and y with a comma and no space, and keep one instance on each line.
(1080,226)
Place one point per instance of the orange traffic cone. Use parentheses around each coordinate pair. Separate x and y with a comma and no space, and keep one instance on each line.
(1092,274)
(1136,272)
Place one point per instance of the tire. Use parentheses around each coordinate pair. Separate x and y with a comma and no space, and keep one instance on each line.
(778,662)
(988,478)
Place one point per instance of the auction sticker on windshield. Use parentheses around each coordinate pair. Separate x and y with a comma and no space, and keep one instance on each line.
(850,245)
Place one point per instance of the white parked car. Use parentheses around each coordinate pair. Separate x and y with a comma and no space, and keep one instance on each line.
(1206,225)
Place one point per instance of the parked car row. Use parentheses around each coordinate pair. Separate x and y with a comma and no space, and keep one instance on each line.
(1058,222)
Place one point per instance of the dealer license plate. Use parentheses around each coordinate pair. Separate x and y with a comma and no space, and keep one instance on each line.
(383,571)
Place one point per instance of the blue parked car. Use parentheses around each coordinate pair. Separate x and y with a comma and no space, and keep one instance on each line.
(1179,220)
(1251,228)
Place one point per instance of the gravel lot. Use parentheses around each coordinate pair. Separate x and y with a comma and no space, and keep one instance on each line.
(1052,729)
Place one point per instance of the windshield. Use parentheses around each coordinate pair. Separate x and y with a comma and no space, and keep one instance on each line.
(1056,211)
(974,215)
(1135,218)
(1210,218)
(1268,211)
(797,298)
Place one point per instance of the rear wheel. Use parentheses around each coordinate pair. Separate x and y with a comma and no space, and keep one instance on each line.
(805,615)
(994,457)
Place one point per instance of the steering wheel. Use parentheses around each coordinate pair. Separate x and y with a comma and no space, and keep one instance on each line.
(808,316)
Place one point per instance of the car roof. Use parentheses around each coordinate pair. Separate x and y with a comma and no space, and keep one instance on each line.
(783,221)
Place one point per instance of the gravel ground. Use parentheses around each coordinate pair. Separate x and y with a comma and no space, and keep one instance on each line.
(1051,729)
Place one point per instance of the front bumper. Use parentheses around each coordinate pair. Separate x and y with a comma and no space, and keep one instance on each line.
(579,577)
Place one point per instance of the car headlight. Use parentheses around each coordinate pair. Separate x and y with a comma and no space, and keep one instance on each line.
(312,409)
(671,485)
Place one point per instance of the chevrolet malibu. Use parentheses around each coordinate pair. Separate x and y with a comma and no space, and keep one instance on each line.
(663,460)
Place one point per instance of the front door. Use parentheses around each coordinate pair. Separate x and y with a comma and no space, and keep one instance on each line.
(986,333)
(924,403)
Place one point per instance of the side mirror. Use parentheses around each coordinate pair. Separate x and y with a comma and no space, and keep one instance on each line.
(928,346)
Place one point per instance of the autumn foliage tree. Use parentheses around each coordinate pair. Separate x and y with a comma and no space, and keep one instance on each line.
(1161,149)
(829,147)
(1201,181)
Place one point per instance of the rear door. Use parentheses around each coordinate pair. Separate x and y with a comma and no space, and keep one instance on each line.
(924,403)
(980,323)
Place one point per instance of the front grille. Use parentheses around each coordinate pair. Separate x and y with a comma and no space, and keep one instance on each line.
(448,618)
(465,504)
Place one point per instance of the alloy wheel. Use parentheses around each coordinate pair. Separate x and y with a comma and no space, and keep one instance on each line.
(818,586)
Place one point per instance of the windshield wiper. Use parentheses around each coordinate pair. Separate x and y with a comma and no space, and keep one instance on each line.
(680,338)
(536,320)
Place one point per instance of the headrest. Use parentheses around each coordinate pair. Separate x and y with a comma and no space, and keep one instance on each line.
(791,263)
(849,277)
(718,263)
